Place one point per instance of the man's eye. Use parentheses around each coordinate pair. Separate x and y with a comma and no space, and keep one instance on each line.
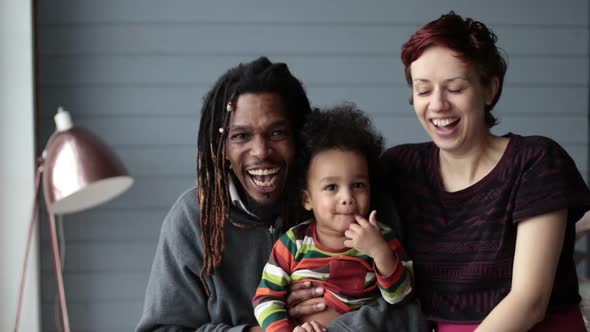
(278,134)
(422,92)
(238,137)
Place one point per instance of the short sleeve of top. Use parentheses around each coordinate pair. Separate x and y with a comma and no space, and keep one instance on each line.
(462,243)
(549,181)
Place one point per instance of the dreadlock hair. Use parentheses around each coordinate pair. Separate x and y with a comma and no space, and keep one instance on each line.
(343,127)
(258,76)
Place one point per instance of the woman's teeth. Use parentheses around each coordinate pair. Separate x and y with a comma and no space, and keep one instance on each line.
(443,122)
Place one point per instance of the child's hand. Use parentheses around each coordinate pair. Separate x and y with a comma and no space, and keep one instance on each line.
(366,236)
(312,326)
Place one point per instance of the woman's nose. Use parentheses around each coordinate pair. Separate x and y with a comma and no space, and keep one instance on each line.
(438,101)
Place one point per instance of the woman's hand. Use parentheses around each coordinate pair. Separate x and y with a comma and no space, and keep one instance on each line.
(305,299)
(312,326)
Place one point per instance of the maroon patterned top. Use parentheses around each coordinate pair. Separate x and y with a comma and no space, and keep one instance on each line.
(463,242)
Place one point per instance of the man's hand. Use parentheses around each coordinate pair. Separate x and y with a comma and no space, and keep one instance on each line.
(305,299)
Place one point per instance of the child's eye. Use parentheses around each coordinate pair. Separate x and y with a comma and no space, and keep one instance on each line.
(330,187)
(359,185)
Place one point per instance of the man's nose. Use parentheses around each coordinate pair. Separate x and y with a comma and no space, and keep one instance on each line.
(261,147)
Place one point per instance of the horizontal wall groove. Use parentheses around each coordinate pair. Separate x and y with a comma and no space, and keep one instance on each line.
(67,270)
(165,206)
(80,274)
(508,84)
(101,242)
(206,23)
(195,117)
(134,85)
(393,113)
(110,208)
(171,53)
(209,84)
(508,114)
(117,300)
(291,23)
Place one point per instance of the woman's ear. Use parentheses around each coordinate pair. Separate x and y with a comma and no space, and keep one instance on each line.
(306,200)
(492,90)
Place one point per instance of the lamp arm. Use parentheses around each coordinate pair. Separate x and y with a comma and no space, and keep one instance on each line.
(32,223)
(58,273)
(55,250)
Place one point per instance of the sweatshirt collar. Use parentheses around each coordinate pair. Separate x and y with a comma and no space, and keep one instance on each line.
(235,196)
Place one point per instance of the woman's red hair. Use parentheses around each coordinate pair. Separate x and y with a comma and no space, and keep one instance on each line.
(472,40)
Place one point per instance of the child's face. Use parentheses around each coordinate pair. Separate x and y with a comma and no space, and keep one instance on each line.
(338,188)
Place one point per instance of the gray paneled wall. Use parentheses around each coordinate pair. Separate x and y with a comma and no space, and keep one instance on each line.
(134,72)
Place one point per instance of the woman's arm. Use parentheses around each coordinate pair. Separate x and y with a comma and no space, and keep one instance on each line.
(539,241)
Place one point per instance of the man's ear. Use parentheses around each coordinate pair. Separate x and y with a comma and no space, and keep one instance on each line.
(306,200)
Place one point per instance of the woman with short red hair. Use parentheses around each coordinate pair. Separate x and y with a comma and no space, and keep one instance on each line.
(489,219)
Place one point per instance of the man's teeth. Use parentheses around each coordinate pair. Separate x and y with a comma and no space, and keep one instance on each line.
(264,183)
(443,122)
(263,171)
(268,179)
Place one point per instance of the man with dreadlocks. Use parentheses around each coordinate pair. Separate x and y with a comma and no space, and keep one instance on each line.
(217,237)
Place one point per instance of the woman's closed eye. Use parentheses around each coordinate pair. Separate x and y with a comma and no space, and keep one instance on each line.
(455,90)
(422,92)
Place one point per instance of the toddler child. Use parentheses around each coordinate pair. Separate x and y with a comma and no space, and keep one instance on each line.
(342,248)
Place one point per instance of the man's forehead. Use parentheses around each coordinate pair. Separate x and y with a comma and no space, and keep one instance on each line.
(258,110)
(250,123)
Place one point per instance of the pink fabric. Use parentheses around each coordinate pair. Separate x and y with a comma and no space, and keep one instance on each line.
(454,327)
(563,320)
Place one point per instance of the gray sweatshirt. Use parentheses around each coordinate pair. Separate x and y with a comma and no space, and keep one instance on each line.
(176,301)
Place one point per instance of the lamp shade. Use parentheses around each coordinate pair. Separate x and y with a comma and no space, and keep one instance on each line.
(80,171)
